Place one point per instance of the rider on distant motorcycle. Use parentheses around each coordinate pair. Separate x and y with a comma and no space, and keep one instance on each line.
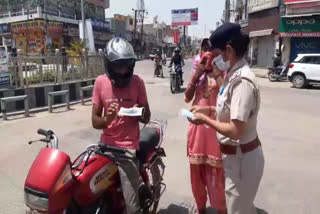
(119,87)
(177,59)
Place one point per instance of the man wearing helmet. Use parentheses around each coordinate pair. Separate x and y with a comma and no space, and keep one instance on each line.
(119,87)
(177,59)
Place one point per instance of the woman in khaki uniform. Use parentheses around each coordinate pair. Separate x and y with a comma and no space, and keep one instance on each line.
(236,124)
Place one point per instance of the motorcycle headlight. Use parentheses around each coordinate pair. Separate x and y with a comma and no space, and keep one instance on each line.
(36,200)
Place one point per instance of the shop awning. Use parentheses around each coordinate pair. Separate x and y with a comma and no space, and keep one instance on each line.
(300,15)
(261,33)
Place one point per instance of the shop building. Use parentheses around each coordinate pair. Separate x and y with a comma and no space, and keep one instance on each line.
(48,24)
(300,28)
(263,29)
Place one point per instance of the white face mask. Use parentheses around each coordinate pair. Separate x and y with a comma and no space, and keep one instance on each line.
(221,64)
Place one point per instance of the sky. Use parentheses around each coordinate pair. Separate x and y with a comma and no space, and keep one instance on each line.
(210,12)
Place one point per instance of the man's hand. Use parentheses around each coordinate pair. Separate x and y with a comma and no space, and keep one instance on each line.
(112,113)
(145,118)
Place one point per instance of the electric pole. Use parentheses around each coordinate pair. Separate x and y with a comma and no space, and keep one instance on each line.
(140,12)
(142,27)
(83,21)
(46,23)
(135,25)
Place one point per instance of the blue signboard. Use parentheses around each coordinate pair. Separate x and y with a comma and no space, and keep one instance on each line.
(5,29)
(4,79)
(4,72)
(101,24)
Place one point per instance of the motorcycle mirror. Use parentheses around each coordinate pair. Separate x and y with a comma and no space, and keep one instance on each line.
(45,140)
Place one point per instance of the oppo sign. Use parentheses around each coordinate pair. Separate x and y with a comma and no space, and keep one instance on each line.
(301,22)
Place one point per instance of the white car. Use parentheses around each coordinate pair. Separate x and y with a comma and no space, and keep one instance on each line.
(305,70)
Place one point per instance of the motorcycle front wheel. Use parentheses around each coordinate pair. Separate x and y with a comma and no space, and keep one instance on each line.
(271,77)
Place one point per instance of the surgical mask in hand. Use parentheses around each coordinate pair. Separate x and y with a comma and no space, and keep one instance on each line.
(221,64)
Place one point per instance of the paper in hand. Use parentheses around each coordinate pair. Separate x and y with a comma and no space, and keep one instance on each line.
(131,112)
(187,114)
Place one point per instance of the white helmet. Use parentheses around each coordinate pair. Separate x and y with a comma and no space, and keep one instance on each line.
(119,52)
(119,48)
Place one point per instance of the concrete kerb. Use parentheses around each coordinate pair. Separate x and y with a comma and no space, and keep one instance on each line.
(260,72)
(41,109)
(37,94)
(82,90)
(5,101)
(63,93)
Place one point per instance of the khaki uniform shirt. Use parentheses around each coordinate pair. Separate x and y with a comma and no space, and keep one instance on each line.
(239,99)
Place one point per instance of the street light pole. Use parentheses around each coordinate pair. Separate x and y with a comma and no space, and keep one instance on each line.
(83,20)
(227,11)
(135,24)
(142,28)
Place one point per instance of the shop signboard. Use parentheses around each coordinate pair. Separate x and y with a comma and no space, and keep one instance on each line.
(258,5)
(36,25)
(300,27)
(100,24)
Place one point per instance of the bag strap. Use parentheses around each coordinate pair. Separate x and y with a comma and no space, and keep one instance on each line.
(255,91)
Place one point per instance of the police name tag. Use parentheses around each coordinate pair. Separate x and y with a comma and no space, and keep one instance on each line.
(222,90)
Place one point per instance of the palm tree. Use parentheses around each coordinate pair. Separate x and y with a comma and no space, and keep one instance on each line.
(75,51)
(76,47)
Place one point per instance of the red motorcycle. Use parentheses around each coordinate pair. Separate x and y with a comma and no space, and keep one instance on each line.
(91,184)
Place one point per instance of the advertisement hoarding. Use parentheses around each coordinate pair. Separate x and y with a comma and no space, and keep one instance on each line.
(258,5)
(185,17)
(176,36)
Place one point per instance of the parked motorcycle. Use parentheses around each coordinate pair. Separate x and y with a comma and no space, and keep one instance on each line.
(278,73)
(175,78)
(91,184)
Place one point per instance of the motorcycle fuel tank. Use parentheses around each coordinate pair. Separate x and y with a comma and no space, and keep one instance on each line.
(97,177)
(47,186)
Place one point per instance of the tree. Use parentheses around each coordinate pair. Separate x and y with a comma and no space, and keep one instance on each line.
(75,50)
(76,47)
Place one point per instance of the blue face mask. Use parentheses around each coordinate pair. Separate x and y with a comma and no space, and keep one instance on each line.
(221,64)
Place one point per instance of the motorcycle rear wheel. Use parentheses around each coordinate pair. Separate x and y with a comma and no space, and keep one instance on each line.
(173,83)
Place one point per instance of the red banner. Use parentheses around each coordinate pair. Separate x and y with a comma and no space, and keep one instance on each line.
(298,1)
(176,36)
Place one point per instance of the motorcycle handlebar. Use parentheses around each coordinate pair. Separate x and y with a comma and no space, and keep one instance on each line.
(43,132)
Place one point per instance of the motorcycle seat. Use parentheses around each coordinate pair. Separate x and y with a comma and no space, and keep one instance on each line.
(149,139)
